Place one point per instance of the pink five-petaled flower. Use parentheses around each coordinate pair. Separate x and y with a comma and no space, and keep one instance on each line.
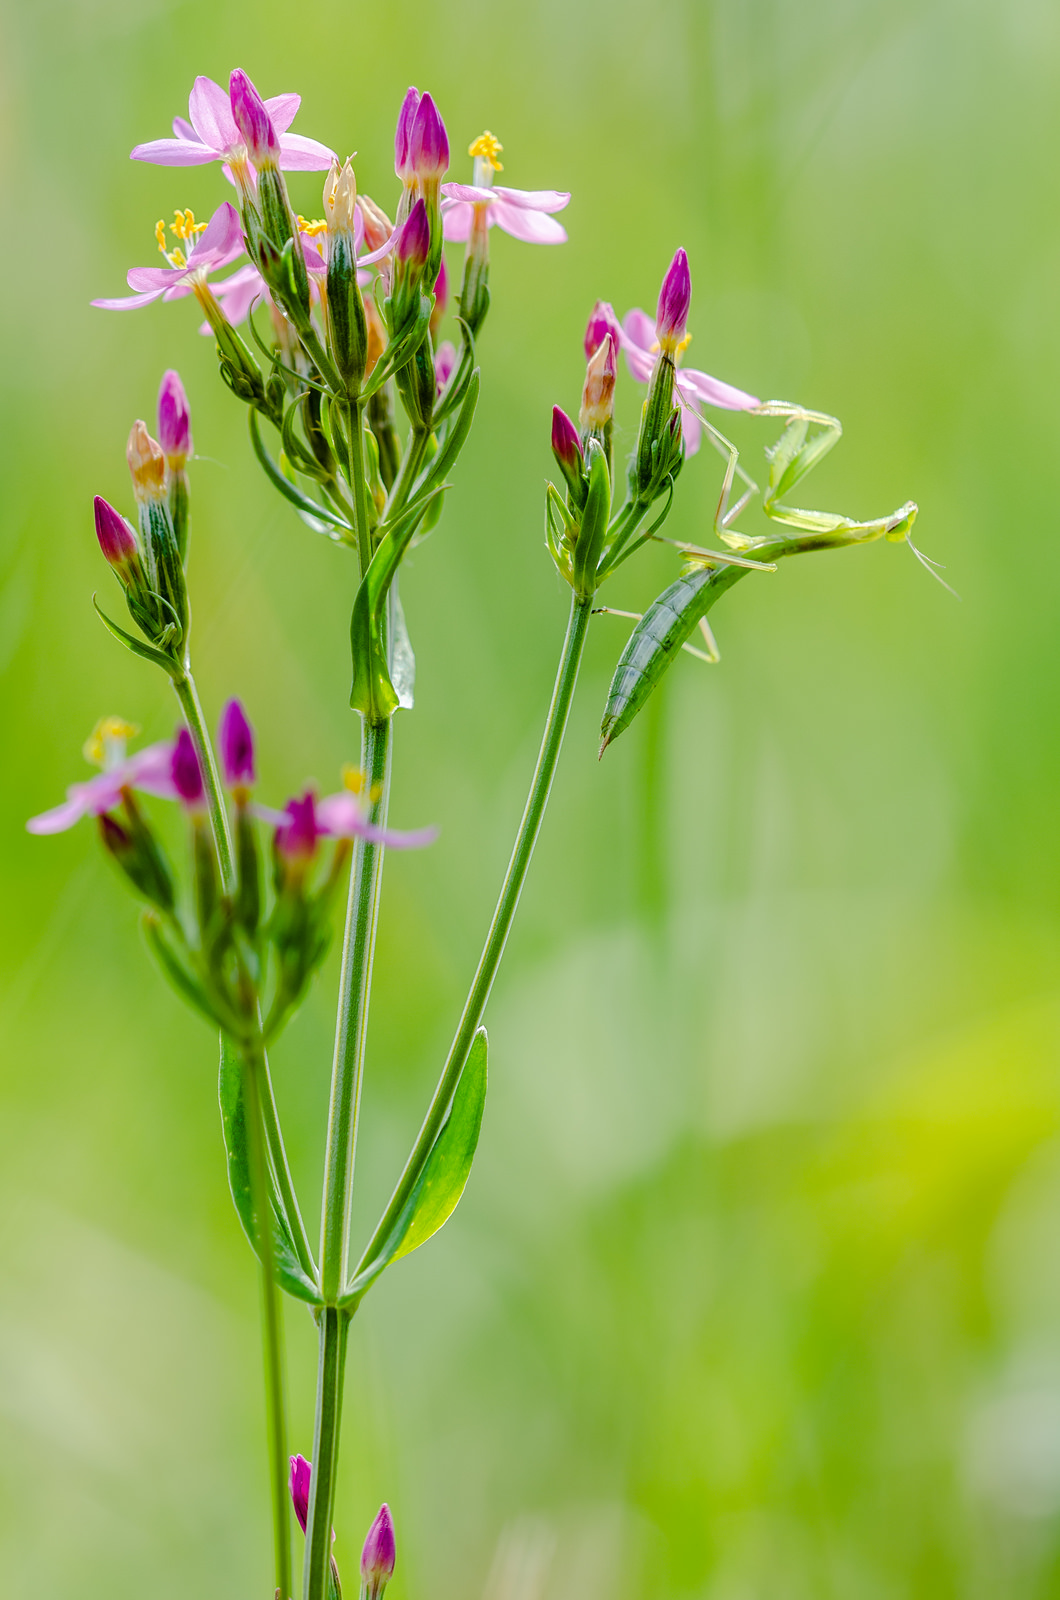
(692,389)
(305,820)
(379,1554)
(150,770)
(221,243)
(212,134)
(524,213)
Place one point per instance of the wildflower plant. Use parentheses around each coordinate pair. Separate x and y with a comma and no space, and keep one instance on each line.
(327,331)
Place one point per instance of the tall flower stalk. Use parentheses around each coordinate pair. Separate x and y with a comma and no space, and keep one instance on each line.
(354,306)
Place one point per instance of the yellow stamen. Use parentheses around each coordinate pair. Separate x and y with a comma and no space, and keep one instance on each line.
(313,230)
(677,350)
(184,225)
(160,235)
(487,147)
(108,732)
(353,779)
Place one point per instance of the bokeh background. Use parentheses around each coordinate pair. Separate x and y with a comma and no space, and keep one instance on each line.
(755,1291)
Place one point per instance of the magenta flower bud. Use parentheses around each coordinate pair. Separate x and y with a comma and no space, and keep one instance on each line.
(406,117)
(253,121)
(675,297)
(187,774)
(174,421)
(441,292)
(296,839)
(301,1474)
(116,538)
(428,142)
(566,446)
(444,362)
(414,240)
(235,740)
(601,323)
(379,1554)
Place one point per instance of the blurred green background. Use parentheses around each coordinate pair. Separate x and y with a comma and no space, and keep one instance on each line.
(755,1291)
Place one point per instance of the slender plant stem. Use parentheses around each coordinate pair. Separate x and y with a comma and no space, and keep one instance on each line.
(284,1181)
(347,1073)
(355,448)
(253,1063)
(526,838)
(188,696)
(411,462)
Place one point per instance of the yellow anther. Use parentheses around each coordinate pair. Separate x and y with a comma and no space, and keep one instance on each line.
(176,258)
(313,230)
(184,225)
(487,147)
(107,740)
(353,779)
(160,235)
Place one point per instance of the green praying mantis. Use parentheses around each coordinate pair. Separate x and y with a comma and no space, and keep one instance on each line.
(669,623)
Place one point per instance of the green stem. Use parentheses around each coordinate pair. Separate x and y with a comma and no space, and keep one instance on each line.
(253,1059)
(355,448)
(347,1074)
(411,462)
(188,695)
(526,838)
(284,1181)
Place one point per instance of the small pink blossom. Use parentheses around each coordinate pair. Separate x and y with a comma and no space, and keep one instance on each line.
(212,134)
(305,820)
(219,245)
(150,770)
(693,389)
(524,213)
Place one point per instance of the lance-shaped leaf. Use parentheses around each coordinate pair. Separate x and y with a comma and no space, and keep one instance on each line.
(437,1186)
(655,641)
(145,651)
(301,502)
(289,1272)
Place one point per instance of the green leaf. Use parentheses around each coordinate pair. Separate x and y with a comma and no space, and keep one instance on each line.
(302,502)
(655,641)
(147,652)
(441,1179)
(595,518)
(288,1270)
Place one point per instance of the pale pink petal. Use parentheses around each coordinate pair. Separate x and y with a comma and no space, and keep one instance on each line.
(299,154)
(150,769)
(639,329)
(211,116)
(239,293)
(466,191)
(174,153)
(59,818)
(282,109)
(457,217)
(147,278)
(691,428)
(342,815)
(713,392)
(222,241)
(533,199)
(384,249)
(532,226)
(182,129)
(314,261)
(129,302)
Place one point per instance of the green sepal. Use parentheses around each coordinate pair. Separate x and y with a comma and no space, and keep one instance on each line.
(401,350)
(595,517)
(289,1272)
(162,942)
(147,652)
(655,641)
(301,502)
(438,1185)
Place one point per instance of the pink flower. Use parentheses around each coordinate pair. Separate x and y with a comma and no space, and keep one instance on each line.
(212,134)
(251,116)
(444,362)
(220,244)
(524,213)
(187,773)
(150,770)
(301,1478)
(236,744)
(305,820)
(602,322)
(675,297)
(693,389)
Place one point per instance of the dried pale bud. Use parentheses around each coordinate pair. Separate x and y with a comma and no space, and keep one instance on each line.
(377,225)
(376,334)
(252,119)
(116,540)
(598,395)
(174,421)
(379,1554)
(675,297)
(147,464)
(340,198)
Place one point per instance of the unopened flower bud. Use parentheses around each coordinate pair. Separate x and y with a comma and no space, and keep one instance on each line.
(428,148)
(566,446)
(441,296)
(598,395)
(116,540)
(301,1477)
(253,121)
(187,773)
(675,297)
(413,242)
(406,117)
(236,745)
(147,464)
(444,362)
(174,421)
(379,1554)
(601,323)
